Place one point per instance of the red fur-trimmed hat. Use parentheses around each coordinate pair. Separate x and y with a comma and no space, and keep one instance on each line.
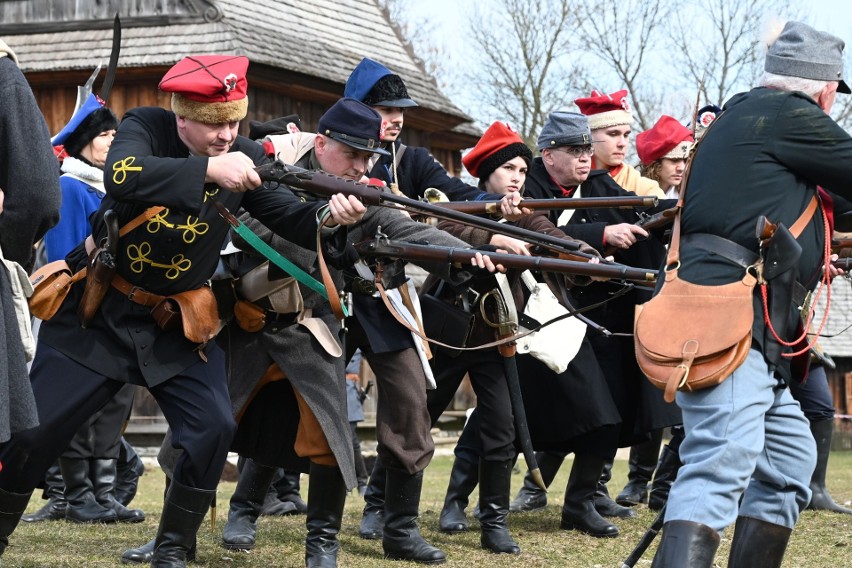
(606,110)
(497,146)
(668,138)
(208,88)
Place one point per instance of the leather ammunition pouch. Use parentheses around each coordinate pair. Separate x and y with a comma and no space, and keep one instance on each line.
(51,284)
(448,321)
(194,310)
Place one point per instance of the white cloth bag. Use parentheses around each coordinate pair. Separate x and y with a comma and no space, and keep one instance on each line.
(556,344)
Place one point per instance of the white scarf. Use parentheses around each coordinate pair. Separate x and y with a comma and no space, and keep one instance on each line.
(78,169)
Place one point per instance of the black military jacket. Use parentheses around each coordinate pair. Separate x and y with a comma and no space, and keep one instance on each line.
(177,250)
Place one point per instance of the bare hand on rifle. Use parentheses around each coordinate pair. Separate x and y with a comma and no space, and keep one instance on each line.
(623,235)
(510,208)
(510,244)
(233,171)
(346,210)
(836,268)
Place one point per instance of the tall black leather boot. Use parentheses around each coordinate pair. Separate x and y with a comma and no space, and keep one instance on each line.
(758,544)
(288,490)
(102,472)
(240,531)
(821,499)
(686,544)
(82,507)
(12,506)
(667,470)
(495,481)
(642,463)
(463,479)
(183,513)
(401,539)
(144,553)
(373,518)
(326,497)
(603,502)
(54,492)
(531,497)
(578,511)
(128,471)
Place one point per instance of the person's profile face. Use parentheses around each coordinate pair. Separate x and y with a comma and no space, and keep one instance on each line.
(392,121)
(96,150)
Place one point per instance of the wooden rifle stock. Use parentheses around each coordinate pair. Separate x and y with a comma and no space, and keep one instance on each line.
(658,220)
(382,246)
(493,207)
(325,184)
(837,244)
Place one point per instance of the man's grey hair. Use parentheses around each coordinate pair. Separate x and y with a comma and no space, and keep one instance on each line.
(810,87)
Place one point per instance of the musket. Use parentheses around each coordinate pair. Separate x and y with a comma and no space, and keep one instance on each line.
(493,207)
(101,269)
(657,220)
(837,244)
(325,184)
(842,263)
(382,246)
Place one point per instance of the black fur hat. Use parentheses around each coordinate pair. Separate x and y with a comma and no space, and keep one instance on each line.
(98,121)
(389,91)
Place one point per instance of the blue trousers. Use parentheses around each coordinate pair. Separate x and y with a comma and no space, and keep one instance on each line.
(745,438)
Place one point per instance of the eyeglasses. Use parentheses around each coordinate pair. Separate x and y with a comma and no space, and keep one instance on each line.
(576,151)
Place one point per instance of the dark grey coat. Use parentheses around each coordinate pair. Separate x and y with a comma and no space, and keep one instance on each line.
(29,179)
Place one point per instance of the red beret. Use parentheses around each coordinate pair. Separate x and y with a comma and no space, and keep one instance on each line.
(208,88)
(666,139)
(606,110)
(499,142)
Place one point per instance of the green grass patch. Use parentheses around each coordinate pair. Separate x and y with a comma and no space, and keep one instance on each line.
(821,540)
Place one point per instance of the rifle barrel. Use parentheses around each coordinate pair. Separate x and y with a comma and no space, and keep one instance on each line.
(322,183)
(410,251)
(493,207)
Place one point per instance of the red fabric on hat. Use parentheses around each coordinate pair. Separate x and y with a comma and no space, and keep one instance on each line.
(498,136)
(661,139)
(598,102)
(208,78)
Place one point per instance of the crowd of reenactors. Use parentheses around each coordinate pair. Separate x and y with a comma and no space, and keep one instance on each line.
(242,273)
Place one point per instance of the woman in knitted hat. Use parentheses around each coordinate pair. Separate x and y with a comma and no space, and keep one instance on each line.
(89,463)
(663,151)
(500,160)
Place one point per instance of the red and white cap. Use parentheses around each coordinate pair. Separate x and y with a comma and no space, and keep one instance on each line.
(606,110)
(668,138)
(208,88)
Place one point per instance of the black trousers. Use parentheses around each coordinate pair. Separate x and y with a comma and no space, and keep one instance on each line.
(195,404)
(494,407)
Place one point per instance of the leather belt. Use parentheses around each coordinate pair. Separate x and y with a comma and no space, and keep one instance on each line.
(725,248)
(136,294)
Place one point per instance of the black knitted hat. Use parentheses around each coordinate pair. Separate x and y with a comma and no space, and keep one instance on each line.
(501,156)
(98,121)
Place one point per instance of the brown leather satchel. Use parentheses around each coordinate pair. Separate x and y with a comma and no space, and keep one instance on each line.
(51,284)
(691,337)
(196,310)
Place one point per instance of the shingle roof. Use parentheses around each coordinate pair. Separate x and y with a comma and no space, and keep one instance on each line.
(319,38)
